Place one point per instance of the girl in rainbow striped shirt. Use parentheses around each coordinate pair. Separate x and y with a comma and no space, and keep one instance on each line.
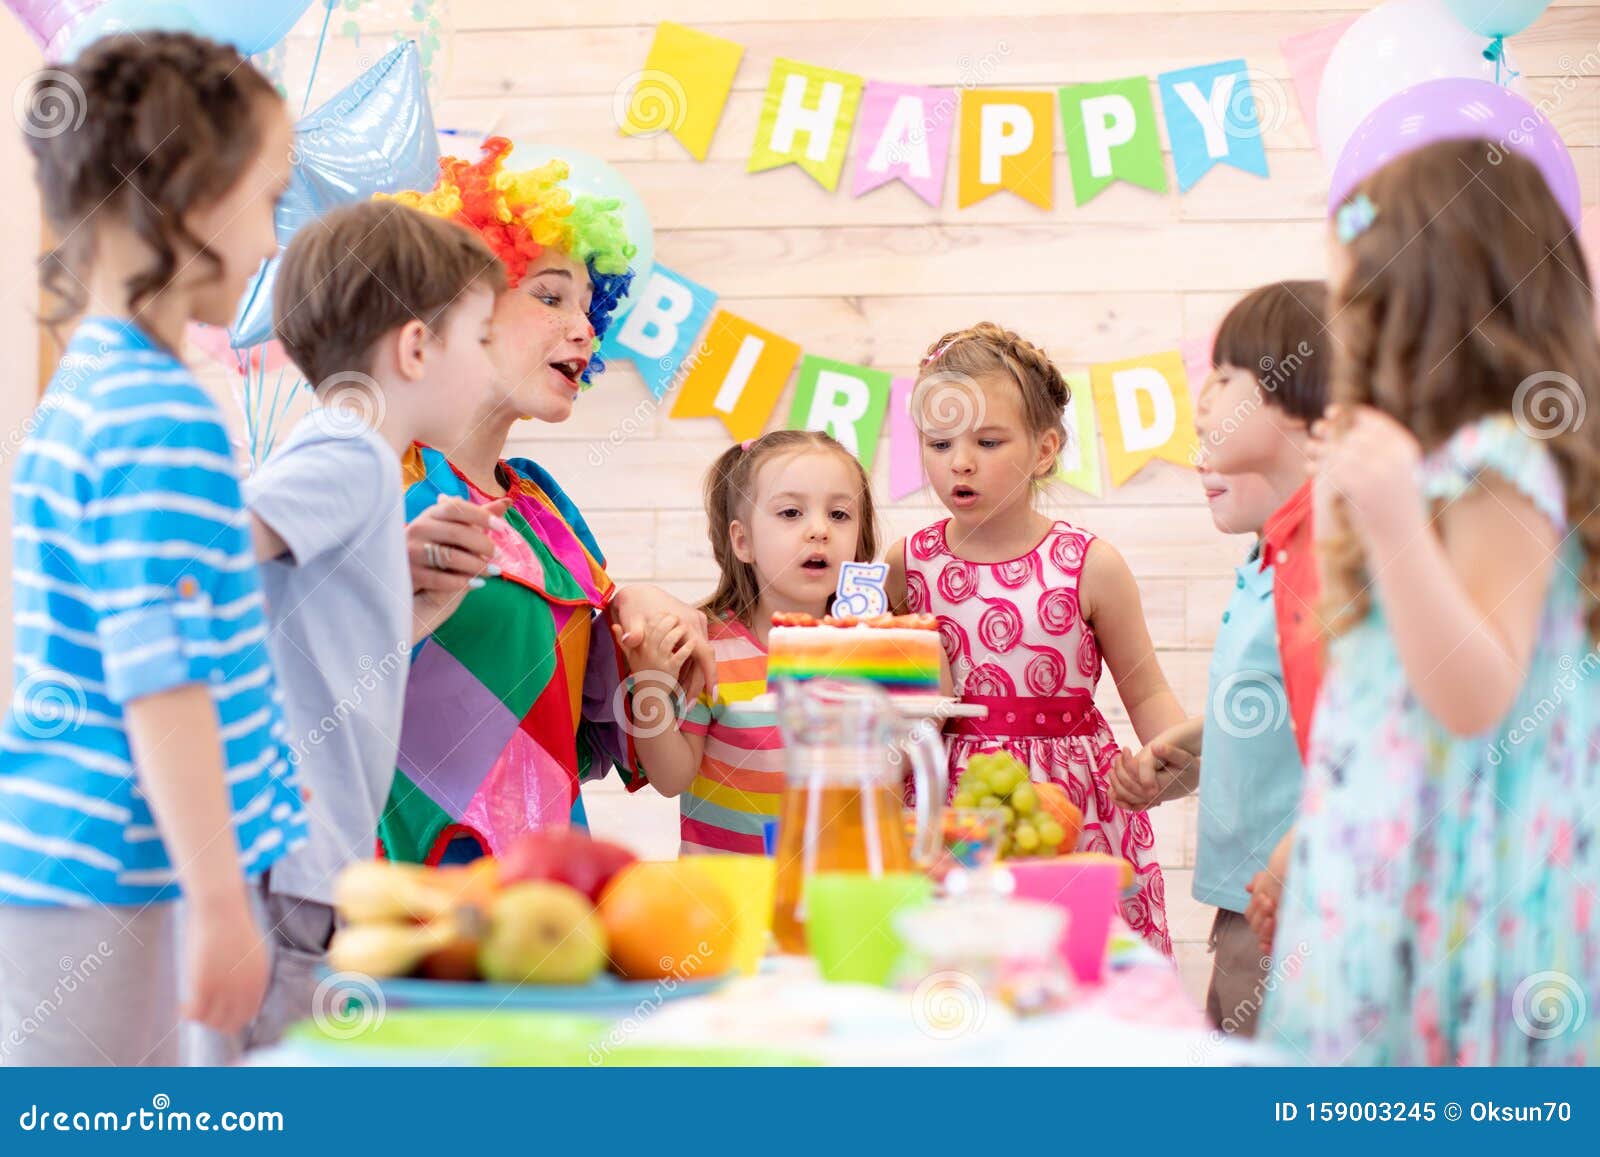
(785,512)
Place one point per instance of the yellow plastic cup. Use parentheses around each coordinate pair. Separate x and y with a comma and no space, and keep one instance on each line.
(750,881)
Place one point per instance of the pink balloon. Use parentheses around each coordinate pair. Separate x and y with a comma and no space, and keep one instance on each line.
(1455,109)
(51,21)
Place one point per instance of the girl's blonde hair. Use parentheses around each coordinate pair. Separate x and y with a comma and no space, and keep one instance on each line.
(1467,285)
(730,495)
(943,387)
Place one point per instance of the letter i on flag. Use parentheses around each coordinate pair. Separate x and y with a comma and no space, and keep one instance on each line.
(1007,142)
(736,375)
(1111,135)
(847,401)
(1145,412)
(1211,120)
(683,88)
(805,120)
(658,332)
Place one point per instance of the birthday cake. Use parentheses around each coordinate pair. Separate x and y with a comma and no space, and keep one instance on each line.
(898,652)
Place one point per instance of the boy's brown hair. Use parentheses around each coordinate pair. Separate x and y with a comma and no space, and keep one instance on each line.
(1278,333)
(166,123)
(363,270)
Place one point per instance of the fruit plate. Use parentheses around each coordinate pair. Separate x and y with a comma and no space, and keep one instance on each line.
(605,995)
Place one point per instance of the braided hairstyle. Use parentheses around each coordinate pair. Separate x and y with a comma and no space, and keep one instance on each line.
(946,389)
(141,129)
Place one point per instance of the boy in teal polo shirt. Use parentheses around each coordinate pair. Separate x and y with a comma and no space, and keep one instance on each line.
(1253,418)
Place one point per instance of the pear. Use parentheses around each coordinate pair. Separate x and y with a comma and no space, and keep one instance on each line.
(542,933)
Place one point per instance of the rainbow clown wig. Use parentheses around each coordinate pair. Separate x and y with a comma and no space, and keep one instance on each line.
(520,214)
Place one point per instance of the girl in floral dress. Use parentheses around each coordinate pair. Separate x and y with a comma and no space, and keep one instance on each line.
(1441,891)
(1027,604)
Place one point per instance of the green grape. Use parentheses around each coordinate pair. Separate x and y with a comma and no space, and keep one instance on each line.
(989,801)
(1026,838)
(965,798)
(1024,799)
(1010,815)
(1007,777)
(1050,833)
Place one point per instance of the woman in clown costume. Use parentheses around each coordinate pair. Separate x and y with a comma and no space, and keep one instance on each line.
(513,702)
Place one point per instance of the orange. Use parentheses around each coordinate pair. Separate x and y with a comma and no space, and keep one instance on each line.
(669,920)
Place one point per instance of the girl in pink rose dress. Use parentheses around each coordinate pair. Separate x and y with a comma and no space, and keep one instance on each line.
(1028,606)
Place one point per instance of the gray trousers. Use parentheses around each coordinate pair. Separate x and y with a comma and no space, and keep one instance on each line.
(297,933)
(89,986)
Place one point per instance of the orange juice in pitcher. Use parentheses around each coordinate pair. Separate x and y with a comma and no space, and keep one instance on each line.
(841,803)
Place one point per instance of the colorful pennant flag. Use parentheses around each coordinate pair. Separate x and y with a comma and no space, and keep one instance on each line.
(1306,54)
(904,134)
(1080,457)
(905,442)
(1145,413)
(684,86)
(1212,119)
(736,375)
(659,330)
(1111,135)
(847,401)
(1007,142)
(806,119)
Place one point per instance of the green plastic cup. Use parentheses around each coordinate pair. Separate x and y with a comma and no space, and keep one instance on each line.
(850,922)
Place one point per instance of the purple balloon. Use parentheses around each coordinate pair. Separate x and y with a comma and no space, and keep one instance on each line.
(1449,110)
(51,21)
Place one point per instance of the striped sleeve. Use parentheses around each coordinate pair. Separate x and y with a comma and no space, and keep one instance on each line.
(162,538)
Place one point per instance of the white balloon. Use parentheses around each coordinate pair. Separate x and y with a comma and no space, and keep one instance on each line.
(1391,48)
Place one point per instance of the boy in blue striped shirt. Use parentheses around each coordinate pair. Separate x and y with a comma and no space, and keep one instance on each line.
(142,756)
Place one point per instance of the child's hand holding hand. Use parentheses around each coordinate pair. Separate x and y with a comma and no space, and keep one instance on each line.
(1365,457)
(1153,776)
(1266,894)
(450,549)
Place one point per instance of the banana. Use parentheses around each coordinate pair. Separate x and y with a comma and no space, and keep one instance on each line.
(375,892)
(389,949)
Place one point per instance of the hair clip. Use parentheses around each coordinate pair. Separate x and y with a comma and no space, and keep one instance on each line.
(937,354)
(1354,218)
(746,444)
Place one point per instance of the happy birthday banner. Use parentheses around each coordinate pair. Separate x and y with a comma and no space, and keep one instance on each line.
(731,369)
(727,367)
(902,132)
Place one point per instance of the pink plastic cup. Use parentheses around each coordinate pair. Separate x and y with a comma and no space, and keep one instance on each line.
(1089,893)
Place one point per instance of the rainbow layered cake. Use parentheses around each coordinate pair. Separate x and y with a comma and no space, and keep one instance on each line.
(898,652)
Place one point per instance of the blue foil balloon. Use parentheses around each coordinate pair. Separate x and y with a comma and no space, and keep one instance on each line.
(373,136)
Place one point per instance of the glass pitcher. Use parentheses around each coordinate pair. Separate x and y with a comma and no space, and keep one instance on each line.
(845,746)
